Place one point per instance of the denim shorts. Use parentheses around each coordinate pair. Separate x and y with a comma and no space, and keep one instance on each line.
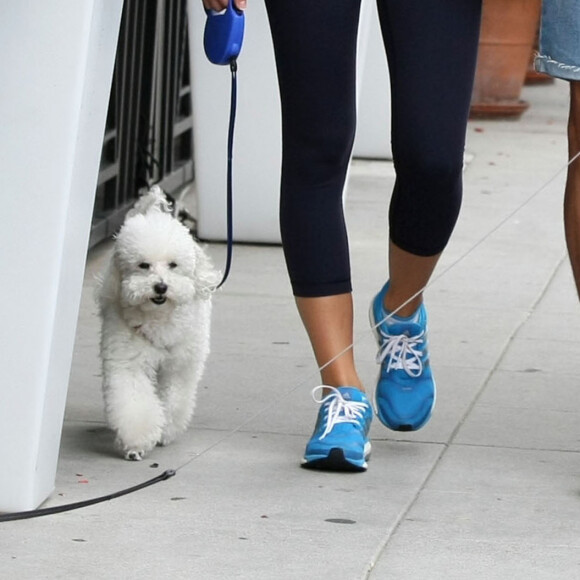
(559,50)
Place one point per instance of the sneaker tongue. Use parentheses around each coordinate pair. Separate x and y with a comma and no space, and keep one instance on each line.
(350,393)
(406,329)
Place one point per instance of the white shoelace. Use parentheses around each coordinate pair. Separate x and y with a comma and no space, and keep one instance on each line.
(340,410)
(403,352)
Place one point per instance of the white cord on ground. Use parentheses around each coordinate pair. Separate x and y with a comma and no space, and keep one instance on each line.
(276,400)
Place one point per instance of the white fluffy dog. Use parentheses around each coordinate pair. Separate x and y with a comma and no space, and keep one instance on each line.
(155,305)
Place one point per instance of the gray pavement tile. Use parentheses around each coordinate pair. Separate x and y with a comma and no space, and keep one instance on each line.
(560,296)
(84,397)
(521,520)
(274,390)
(497,276)
(551,356)
(490,512)
(242,510)
(457,559)
(257,325)
(88,448)
(256,270)
(534,389)
(503,472)
(470,337)
(521,428)
(552,327)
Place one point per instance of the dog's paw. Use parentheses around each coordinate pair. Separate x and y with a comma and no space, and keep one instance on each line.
(134,454)
(138,433)
(166,439)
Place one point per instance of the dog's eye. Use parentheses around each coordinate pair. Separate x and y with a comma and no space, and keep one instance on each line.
(172,265)
(144,266)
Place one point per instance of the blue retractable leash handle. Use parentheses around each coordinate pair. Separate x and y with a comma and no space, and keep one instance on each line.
(223,34)
(222,42)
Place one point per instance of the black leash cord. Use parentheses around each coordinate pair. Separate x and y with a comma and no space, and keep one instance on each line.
(229,196)
(81,504)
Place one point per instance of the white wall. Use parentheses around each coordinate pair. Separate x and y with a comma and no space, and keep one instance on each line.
(373,134)
(56,67)
(257,146)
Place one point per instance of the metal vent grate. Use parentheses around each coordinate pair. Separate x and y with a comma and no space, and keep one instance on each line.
(148,135)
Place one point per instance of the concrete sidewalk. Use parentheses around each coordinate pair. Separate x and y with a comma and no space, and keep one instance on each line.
(490,488)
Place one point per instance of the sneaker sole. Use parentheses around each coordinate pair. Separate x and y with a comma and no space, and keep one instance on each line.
(336,461)
(403,427)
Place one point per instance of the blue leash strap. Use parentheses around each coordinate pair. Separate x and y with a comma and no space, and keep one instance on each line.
(229,178)
(222,41)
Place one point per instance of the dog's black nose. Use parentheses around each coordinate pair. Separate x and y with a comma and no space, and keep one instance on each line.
(160,288)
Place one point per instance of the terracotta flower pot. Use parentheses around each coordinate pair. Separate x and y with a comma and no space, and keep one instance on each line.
(508,31)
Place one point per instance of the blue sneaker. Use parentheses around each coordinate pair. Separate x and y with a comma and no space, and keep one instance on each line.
(340,440)
(405,393)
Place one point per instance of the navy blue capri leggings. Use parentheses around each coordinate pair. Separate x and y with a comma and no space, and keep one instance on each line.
(431,48)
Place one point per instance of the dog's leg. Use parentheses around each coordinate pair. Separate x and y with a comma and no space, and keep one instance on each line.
(178,392)
(133,409)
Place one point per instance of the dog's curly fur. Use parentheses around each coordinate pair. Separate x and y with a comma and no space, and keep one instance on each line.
(155,305)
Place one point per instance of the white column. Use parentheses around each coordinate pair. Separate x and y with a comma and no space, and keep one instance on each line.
(257,151)
(257,145)
(56,69)
(373,134)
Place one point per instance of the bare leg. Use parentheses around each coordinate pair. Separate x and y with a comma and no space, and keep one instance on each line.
(408,274)
(572,194)
(329,320)
(329,323)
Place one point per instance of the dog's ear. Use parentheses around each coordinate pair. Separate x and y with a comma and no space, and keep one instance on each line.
(206,277)
(108,288)
(154,199)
